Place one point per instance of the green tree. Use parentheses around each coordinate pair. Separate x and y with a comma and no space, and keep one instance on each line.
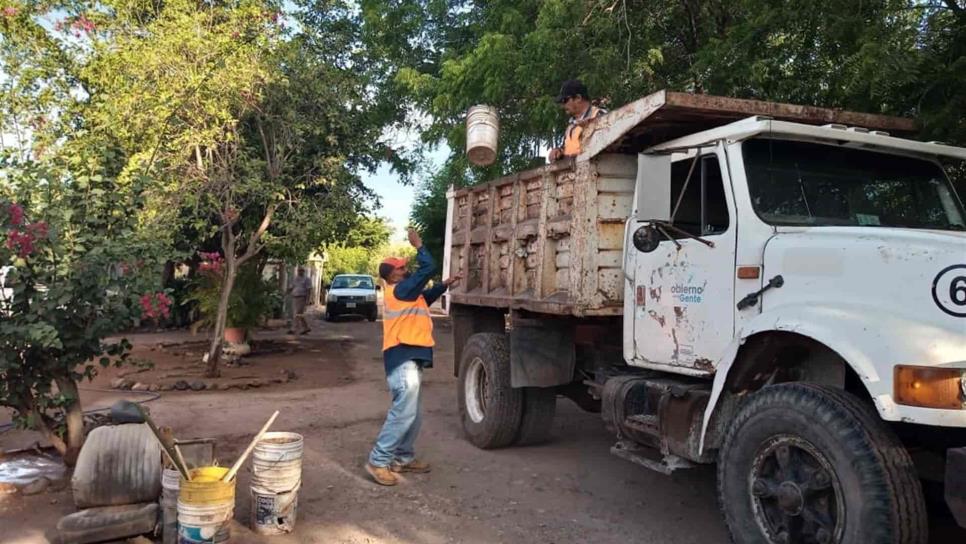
(428,213)
(900,57)
(340,259)
(368,232)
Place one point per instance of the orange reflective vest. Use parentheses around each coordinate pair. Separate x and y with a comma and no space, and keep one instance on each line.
(405,321)
(572,137)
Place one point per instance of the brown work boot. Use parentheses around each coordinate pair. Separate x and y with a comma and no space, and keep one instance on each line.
(417,466)
(382,475)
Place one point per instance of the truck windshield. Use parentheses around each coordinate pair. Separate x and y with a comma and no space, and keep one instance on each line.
(805,183)
(352,282)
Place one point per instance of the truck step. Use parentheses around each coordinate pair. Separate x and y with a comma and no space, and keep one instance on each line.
(647,457)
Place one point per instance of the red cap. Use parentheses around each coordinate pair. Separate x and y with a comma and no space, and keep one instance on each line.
(396,262)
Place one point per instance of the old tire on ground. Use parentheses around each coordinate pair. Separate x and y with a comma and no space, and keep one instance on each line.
(490,410)
(539,407)
(815,463)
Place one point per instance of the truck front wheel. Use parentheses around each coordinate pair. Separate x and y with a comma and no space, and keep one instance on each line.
(490,409)
(803,463)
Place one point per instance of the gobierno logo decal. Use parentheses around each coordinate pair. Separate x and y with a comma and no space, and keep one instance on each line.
(949,290)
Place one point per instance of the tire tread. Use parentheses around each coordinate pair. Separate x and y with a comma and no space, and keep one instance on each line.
(902,510)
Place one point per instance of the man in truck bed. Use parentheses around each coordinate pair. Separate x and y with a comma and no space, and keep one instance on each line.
(575,100)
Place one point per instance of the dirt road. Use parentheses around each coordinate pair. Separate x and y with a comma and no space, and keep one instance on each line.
(569,491)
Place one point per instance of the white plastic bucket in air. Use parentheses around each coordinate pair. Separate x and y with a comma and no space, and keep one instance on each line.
(205,523)
(274,513)
(482,134)
(276,479)
(170,482)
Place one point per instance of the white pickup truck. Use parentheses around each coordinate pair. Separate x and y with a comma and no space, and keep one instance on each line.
(777,289)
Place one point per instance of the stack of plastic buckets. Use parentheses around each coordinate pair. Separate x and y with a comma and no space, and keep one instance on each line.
(276,478)
(170,483)
(206,505)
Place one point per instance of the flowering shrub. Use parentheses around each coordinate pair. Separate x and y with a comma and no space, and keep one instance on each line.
(59,300)
(211,263)
(155,306)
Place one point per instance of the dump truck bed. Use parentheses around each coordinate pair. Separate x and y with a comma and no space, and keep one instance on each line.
(546,240)
(550,239)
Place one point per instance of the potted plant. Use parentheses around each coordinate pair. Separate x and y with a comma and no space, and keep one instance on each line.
(251,300)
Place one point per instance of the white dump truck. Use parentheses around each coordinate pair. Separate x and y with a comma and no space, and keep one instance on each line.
(777,289)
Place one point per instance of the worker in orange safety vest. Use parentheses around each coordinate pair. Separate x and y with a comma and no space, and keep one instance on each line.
(575,100)
(407,348)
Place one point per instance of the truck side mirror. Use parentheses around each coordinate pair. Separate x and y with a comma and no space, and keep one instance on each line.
(646,239)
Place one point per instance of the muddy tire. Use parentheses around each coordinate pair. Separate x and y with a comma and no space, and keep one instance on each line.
(539,408)
(490,410)
(815,463)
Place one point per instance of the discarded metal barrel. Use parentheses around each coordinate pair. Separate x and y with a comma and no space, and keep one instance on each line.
(206,505)
(276,479)
(482,133)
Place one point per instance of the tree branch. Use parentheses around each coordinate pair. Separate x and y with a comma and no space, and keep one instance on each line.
(253,246)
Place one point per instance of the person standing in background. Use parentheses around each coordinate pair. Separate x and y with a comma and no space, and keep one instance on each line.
(300,291)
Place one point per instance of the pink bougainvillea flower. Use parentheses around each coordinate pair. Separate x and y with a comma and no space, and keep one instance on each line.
(16,214)
(83,24)
(38,229)
(10,11)
(155,305)
(21,242)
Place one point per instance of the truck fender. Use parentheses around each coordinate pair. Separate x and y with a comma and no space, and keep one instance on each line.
(847,329)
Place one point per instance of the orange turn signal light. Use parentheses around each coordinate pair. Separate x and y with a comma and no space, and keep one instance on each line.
(930,387)
(749,272)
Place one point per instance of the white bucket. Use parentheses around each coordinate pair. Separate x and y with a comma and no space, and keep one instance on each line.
(170,483)
(276,479)
(278,476)
(274,513)
(482,133)
(279,446)
(206,523)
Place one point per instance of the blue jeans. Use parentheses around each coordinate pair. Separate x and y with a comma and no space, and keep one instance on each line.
(398,434)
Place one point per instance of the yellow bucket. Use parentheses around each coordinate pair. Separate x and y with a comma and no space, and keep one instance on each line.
(206,487)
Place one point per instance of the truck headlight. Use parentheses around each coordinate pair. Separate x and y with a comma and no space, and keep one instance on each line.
(930,387)
(331,297)
(371,298)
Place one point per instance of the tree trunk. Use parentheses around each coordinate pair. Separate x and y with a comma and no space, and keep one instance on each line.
(221,320)
(56,441)
(74,418)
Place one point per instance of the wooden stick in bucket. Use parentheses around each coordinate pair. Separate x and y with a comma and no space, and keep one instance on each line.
(234,468)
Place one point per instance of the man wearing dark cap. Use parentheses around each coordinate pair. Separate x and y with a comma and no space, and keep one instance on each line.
(407,348)
(575,100)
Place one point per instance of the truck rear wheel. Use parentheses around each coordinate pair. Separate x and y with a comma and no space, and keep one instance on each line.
(807,463)
(539,407)
(490,409)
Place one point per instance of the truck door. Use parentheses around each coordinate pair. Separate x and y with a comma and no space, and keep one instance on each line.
(684,288)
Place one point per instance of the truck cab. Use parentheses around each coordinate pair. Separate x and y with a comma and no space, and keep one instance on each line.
(788,300)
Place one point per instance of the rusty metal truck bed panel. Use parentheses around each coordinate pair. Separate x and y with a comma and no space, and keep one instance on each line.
(546,240)
(666,115)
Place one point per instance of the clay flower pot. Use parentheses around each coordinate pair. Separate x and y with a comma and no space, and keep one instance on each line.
(235,335)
